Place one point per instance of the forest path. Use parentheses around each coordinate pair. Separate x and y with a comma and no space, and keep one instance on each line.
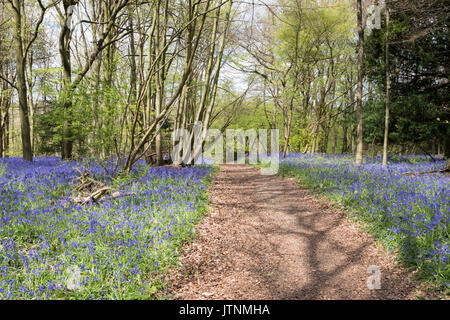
(267,238)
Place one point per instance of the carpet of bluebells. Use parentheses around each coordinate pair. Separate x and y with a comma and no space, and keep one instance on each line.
(52,248)
(409,213)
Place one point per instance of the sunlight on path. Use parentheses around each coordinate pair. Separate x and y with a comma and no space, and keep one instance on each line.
(265,238)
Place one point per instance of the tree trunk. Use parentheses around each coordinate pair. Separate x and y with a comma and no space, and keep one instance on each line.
(447,145)
(359,132)
(335,140)
(344,139)
(6,105)
(161,76)
(388,92)
(21,84)
(133,70)
(1,122)
(64,52)
(3,114)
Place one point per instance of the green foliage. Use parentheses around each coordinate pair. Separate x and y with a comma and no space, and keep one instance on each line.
(418,94)
(48,128)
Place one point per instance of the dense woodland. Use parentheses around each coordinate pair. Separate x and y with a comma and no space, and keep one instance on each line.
(117,77)
(95,203)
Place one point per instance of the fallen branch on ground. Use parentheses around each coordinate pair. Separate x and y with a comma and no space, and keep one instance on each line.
(90,189)
(444,170)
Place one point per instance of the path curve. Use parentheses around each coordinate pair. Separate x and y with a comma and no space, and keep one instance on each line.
(267,238)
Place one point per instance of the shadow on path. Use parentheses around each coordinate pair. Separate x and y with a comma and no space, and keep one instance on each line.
(266,238)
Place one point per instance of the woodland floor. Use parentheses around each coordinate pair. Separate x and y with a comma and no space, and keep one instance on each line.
(267,238)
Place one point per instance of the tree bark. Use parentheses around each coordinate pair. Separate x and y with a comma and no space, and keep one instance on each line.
(388,92)
(64,52)
(344,139)
(359,132)
(27,152)
(161,75)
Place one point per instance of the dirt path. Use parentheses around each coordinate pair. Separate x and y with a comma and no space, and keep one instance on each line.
(266,238)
